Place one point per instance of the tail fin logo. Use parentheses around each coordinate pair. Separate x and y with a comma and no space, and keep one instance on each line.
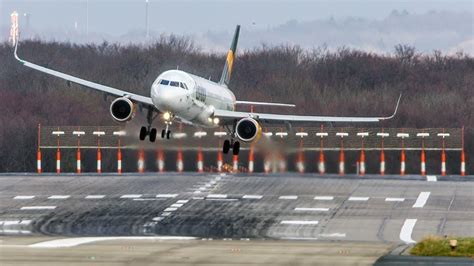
(227,71)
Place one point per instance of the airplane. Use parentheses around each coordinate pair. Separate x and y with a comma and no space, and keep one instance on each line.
(180,96)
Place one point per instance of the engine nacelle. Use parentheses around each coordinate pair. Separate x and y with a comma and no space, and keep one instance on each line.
(122,109)
(248,129)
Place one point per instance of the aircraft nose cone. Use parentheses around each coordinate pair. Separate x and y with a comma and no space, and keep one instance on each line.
(164,97)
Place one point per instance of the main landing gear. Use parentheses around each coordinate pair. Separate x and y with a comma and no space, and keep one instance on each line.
(151,132)
(228,144)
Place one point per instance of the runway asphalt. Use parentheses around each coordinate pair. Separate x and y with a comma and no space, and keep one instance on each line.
(321,209)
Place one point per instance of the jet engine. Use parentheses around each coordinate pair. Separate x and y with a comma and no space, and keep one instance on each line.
(248,129)
(122,109)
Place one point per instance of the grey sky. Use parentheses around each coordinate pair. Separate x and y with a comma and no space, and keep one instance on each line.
(208,19)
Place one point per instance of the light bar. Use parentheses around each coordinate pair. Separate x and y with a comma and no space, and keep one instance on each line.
(58,133)
(179,135)
(363,134)
(301,134)
(383,134)
(342,134)
(403,135)
(444,135)
(423,135)
(78,133)
(281,134)
(220,133)
(322,134)
(268,134)
(200,134)
(98,133)
(119,133)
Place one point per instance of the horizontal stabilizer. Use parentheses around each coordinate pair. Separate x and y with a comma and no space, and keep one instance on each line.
(265,103)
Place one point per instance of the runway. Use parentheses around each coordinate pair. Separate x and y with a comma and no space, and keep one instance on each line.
(225,206)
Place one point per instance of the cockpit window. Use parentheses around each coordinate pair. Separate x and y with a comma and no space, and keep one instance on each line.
(183,85)
(164,82)
(174,83)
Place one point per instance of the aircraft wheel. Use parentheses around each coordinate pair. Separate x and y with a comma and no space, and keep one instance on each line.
(236,148)
(163,132)
(143,133)
(226,147)
(168,134)
(153,134)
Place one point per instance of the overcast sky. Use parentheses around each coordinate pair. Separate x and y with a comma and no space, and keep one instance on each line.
(370,25)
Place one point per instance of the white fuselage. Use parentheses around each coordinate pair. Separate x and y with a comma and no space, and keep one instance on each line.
(190,98)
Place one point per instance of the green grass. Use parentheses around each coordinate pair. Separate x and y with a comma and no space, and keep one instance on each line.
(438,246)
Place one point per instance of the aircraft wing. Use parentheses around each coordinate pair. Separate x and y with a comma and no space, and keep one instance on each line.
(90,84)
(227,116)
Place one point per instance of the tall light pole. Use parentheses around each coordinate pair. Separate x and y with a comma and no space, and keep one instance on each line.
(146,20)
(87,18)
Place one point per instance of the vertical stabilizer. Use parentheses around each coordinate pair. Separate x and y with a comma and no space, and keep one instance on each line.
(227,71)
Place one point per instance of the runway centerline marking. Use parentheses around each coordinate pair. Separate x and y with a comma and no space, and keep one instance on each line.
(166,195)
(95,196)
(407,230)
(324,198)
(169,209)
(252,197)
(72,242)
(217,196)
(23,197)
(395,199)
(422,199)
(59,197)
(182,201)
(289,197)
(15,222)
(312,209)
(358,198)
(131,196)
(177,205)
(38,208)
(299,222)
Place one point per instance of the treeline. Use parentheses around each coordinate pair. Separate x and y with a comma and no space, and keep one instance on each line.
(437,89)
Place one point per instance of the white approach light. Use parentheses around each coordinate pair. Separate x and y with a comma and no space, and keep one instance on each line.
(216,121)
(119,133)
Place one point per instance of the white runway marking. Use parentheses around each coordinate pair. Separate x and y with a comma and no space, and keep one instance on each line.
(177,205)
(222,199)
(217,196)
(312,209)
(23,197)
(72,242)
(358,198)
(290,197)
(431,178)
(15,222)
(197,192)
(95,196)
(252,197)
(131,196)
(395,199)
(157,219)
(300,222)
(421,200)
(407,229)
(299,238)
(59,197)
(324,198)
(170,209)
(333,235)
(147,199)
(38,208)
(182,201)
(166,195)
(15,231)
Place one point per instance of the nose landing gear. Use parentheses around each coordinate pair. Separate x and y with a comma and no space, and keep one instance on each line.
(151,132)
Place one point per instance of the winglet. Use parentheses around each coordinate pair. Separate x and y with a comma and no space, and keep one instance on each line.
(396,109)
(15,51)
